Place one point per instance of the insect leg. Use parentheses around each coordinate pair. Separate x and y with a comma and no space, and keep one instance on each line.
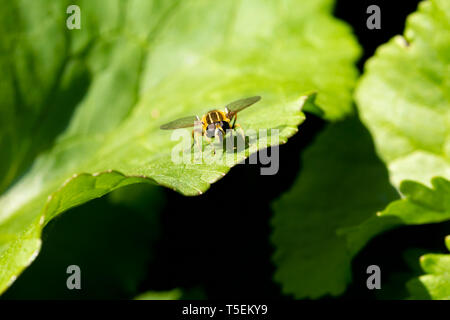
(234,118)
(197,132)
(223,133)
(209,140)
(241,131)
(196,140)
(220,134)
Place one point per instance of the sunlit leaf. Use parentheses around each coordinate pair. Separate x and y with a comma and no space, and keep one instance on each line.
(84,107)
(404,101)
(404,97)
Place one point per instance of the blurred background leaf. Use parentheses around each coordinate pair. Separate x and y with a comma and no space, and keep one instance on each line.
(174,294)
(435,284)
(403,100)
(341,184)
(404,97)
(419,205)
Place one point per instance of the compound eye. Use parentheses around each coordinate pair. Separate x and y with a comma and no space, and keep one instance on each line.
(210,129)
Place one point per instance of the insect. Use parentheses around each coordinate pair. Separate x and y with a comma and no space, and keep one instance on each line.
(214,123)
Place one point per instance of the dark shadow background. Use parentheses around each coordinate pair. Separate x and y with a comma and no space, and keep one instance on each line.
(216,245)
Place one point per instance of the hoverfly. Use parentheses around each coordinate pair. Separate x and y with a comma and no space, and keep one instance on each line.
(214,123)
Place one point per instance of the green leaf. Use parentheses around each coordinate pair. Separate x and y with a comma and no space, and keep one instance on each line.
(85,106)
(436,283)
(114,250)
(342,183)
(404,97)
(419,205)
(395,278)
(174,294)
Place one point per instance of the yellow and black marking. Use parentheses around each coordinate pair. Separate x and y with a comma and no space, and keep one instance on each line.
(214,123)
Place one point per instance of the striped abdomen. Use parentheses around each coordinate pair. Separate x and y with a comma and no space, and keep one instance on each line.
(214,116)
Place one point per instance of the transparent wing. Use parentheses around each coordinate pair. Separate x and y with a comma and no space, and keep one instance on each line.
(239,105)
(180,123)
